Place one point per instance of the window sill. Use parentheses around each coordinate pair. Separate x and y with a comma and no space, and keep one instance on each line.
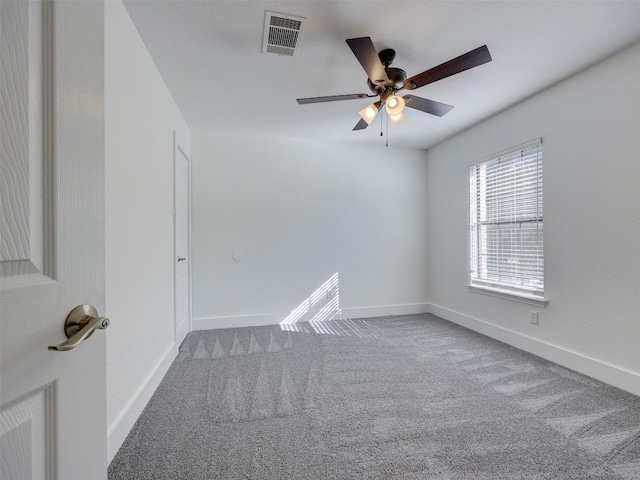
(516,297)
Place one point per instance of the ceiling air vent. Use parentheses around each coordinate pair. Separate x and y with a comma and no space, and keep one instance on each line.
(281,33)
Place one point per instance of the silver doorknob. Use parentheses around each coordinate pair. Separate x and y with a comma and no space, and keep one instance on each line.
(80,324)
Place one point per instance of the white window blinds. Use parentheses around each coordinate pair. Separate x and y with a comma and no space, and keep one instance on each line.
(506,251)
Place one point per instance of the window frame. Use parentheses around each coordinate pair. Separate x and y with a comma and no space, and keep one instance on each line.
(520,293)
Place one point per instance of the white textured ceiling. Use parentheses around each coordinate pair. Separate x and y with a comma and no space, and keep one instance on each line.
(210,55)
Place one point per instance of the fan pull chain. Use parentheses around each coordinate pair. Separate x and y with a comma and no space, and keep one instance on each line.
(387,124)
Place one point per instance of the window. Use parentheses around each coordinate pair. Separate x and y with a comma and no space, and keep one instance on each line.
(506,254)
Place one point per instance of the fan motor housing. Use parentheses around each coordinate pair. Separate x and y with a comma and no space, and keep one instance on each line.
(396,76)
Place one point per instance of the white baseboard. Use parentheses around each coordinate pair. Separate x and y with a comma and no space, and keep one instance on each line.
(213,323)
(118,431)
(612,375)
(385,310)
(235,321)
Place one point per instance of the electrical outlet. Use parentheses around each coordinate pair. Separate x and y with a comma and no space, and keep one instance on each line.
(533,317)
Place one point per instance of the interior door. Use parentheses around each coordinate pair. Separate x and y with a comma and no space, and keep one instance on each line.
(52,404)
(181,226)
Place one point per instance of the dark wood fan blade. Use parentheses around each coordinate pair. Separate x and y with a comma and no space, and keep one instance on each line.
(332,98)
(361,125)
(366,54)
(426,105)
(459,64)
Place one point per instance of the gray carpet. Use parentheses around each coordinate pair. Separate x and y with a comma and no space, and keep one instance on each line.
(411,397)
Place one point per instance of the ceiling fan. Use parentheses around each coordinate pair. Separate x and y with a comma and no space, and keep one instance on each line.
(386,81)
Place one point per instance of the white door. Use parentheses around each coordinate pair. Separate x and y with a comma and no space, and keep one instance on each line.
(52,404)
(181,229)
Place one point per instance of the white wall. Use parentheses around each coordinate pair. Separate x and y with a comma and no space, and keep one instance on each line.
(300,212)
(590,125)
(140,118)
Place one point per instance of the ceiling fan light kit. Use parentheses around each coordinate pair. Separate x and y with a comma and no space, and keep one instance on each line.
(398,119)
(370,112)
(394,105)
(386,81)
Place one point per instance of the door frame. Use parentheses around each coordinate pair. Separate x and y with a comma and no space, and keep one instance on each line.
(180,150)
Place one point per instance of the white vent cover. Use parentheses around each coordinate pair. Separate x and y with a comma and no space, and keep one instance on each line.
(281,33)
